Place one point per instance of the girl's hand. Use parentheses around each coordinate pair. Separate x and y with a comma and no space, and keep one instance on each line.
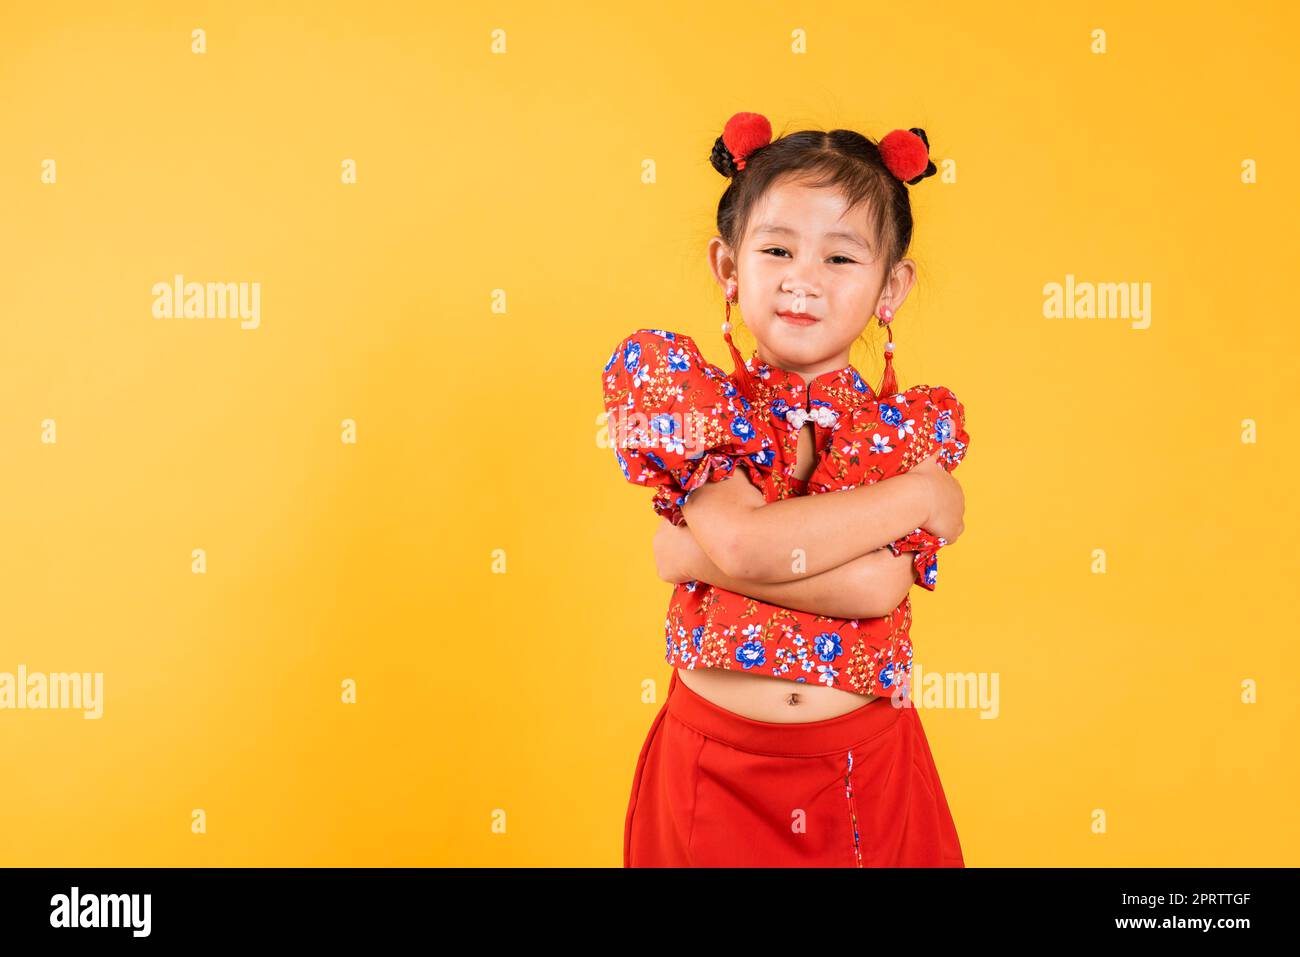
(948,502)
(675,551)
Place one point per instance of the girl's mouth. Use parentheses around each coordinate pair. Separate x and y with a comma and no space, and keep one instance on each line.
(797,318)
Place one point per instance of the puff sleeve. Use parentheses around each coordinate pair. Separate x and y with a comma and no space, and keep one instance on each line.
(943,428)
(676,421)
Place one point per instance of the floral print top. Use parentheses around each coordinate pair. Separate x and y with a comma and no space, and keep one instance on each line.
(678,421)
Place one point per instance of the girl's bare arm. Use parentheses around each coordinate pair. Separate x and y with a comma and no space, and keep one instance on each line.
(770,543)
(869,586)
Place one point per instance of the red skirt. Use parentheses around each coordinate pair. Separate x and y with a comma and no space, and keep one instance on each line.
(716,789)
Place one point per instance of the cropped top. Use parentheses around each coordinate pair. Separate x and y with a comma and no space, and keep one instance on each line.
(677,421)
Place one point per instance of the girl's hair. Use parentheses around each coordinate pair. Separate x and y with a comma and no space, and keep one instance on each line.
(841,158)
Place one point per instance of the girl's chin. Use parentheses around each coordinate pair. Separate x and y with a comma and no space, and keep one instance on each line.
(799,341)
(795,354)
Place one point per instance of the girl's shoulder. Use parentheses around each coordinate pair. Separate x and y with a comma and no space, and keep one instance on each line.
(931,395)
(646,352)
(929,417)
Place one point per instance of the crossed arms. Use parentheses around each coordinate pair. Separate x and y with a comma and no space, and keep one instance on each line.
(823,554)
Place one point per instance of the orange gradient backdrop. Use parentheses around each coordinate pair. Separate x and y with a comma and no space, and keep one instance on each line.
(474,562)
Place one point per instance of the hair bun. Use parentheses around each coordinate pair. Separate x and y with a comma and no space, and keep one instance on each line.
(744,133)
(907,155)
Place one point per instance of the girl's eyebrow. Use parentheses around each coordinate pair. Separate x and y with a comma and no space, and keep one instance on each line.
(834,234)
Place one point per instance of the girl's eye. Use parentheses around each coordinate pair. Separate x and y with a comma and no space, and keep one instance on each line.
(778,249)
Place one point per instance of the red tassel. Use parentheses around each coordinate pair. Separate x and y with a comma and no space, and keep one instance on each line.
(742,373)
(888,383)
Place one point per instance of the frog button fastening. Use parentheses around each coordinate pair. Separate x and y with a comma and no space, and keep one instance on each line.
(823,415)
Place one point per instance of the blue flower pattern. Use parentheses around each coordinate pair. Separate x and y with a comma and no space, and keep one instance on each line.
(828,646)
(752,654)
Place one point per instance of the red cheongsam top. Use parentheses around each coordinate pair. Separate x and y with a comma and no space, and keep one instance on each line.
(678,421)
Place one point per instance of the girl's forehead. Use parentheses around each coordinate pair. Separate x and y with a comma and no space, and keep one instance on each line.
(799,210)
(787,192)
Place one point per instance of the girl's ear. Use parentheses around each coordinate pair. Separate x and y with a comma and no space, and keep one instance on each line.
(722,262)
(898,284)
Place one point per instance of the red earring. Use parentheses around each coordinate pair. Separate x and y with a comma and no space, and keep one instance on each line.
(742,373)
(888,383)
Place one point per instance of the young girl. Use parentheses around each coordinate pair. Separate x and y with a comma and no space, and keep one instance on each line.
(787,737)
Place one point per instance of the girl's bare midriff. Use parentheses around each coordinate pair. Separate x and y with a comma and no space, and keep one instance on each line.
(777,700)
(764,698)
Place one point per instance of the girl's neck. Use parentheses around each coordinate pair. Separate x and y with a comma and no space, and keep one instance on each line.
(806,373)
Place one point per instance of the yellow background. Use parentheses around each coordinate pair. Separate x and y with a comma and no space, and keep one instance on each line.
(477,430)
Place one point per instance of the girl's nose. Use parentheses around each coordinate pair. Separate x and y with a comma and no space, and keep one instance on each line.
(798,283)
(799,293)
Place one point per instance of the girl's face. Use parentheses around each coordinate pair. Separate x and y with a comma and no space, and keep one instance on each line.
(803,252)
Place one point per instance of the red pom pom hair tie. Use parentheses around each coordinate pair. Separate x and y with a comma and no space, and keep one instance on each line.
(744,133)
(907,155)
